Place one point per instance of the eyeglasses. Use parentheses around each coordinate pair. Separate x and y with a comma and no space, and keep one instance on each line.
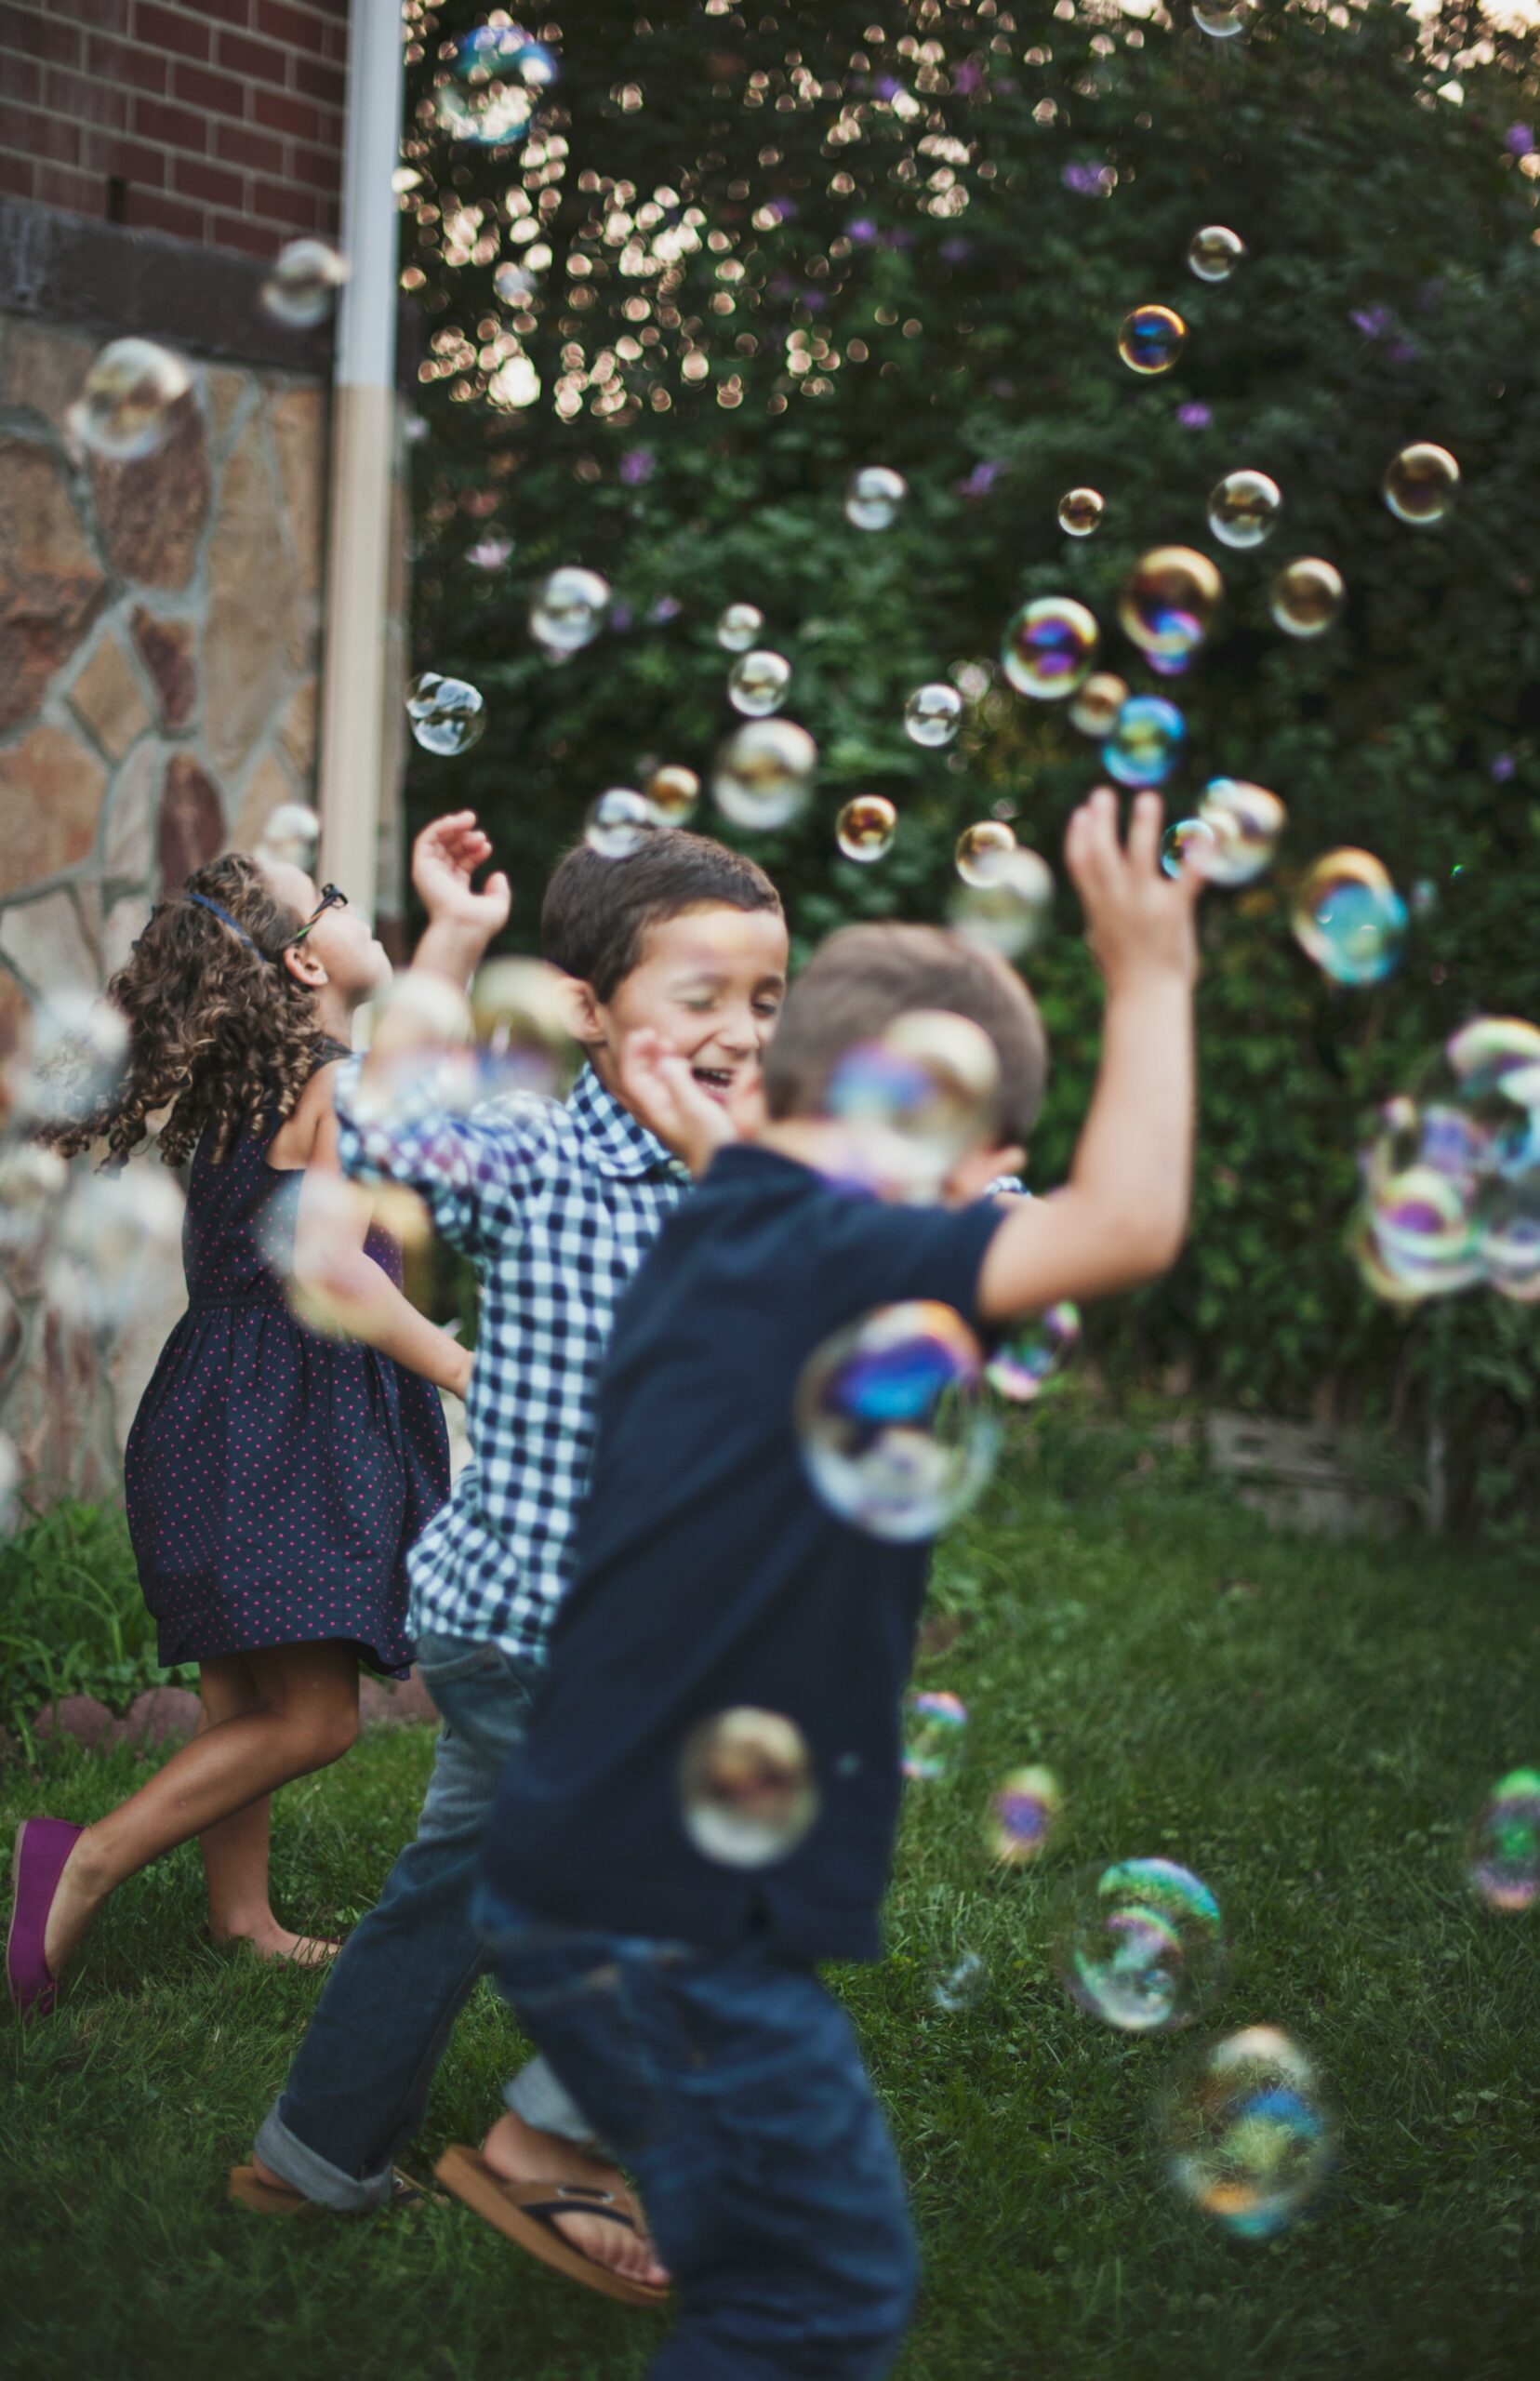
(330,899)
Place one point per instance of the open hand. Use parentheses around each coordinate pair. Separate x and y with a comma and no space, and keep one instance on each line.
(1138,921)
(444,859)
(660,1088)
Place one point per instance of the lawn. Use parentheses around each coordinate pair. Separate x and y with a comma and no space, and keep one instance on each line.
(1309,1725)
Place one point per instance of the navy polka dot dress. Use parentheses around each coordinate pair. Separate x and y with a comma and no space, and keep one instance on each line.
(274,1478)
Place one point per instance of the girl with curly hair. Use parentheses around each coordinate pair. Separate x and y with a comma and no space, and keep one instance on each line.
(275,1475)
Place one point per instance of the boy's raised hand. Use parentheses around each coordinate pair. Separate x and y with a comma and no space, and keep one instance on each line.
(660,1088)
(1140,921)
(461,921)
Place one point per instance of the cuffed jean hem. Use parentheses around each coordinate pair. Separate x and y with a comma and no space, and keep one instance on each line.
(536,2095)
(312,2177)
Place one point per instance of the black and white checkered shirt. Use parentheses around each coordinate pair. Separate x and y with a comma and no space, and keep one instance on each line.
(556,1206)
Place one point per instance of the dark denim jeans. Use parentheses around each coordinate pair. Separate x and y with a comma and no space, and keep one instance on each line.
(733,2088)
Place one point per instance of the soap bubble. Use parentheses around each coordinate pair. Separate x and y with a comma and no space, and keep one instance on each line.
(932,714)
(1348,918)
(1214,253)
(496,77)
(1247,2134)
(1080,512)
(420,1053)
(118,1234)
(865,827)
(1181,843)
(32,1182)
(446,715)
(980,848)
(914,1100)
(671,794)
(746,1792)
(1504,1845)
(874,496)
(79,1049)
(1146,742)
(1034,1352)
(1050,644)
(933,1739)
(1221,19)
(568,610)
(1507,1223)
(1245,825)
(291,834)
(1141,1946)
(1010,910)
(958,1983)
(1243,509)
(1419,484)
(757,683)
(1024,1815)
(739,626)
(1095,706)
(1423,1233)
(1169,600)
(125,408)
(619,823)
(764,774)
(1151,339)
(1306,597)
(514,284)
(896,1437)
(302,287)
(522,1019)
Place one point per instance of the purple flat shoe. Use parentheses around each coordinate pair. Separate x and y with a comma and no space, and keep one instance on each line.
(42,1848)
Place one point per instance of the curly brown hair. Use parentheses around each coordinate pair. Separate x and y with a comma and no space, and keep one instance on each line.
(219,1031)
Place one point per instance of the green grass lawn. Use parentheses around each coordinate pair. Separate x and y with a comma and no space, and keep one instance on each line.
(1308,1725)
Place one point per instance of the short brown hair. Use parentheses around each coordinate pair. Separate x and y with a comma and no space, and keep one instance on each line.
(596,914)
(863,979)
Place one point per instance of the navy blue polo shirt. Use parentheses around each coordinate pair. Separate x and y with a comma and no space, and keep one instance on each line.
(709,1577)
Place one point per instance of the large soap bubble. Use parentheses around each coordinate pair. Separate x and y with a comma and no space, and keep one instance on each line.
(933,713)
(1244,507)
(447,715)
(764,774)
(1247,2133)
(1049,647)
(748,1794)
(758,682)
(896,1435)
(980,848)
(865,827)
(291,833)
(1182,844)
(1306,597)
(873,496)
(1140,1944)
(119,1234)
(127,405)
(1146,742)
(1011,910)
(913,1101)
(496,79)
(301,288)
(79,1048)
(1420,485)
(1151,339)
(1504,1843)
(619,823)
(521,1017)
(1348,918)
(1214,253)
(568,610)
(1169,601)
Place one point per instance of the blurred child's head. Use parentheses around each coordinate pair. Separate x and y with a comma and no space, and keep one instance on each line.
(333,945)
(861,981)
(683,936)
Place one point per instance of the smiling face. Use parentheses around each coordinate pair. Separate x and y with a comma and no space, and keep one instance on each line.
(711,979)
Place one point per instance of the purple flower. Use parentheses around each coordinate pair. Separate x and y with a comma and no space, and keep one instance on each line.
(1373,321)
(1505,764)
(955,249)
(1194,415)
(1403,351)
(980,480)
(636,466)
(863,230)
(1086,180)
(668,608)
(898,239)
(968,78)
(1519,140)
(887,87)
(815,301)
(490,552)
(621,618)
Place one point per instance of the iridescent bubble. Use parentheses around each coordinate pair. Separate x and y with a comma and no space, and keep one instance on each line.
(302,286)
(1504,1843)
(1151,339)
(1246,825)
(1146,742)
(1507,1228)
(1080,512)
(1141,1945)
(739,626)
(32,1182)
(757,684)
(1049,647)
(1424,1230)
(1169,600)
(1420,482)
(1011,910)
(958,1983)
(672,794)
(914,1100)
(118,1235)
(1095,706)
(292,834)
(873,496)
(1214,253)
(79,1047)
(1024,1815)
(1221,19)
(980,848)
(126,403)
(1181,843)
(933,1740)
(865,827)
(764,774)
(619,823)
(1244,508)
(447,715)
(933,713)
(1306,597)
(1348,918)
(746,1790)
(1034,1352)
(1247,2133)
(496,79)
(522,1019)
(896,1435)
(568,610)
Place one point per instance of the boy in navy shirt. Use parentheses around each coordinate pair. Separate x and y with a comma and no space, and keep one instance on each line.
(676,1997)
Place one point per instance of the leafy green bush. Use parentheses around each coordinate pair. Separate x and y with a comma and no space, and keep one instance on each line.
(72,1618)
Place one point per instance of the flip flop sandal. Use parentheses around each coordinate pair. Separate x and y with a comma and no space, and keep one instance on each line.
(525,2213)
(248,2189)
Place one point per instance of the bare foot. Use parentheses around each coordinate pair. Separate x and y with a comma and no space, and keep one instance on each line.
(266,2175)
(78,1896)
(520,2154)
(275,1942)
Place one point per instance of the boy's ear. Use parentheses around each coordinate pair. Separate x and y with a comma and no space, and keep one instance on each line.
(585,1011)
(972,1175)
(302,963)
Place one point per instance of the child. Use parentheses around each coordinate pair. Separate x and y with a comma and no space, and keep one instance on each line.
(274,1476)
(676,1996)
(555,1206)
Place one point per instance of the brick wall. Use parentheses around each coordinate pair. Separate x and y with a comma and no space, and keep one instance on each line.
(218,121)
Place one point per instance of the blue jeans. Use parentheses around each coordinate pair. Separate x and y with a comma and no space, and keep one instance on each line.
(357,2091)
(733,2086)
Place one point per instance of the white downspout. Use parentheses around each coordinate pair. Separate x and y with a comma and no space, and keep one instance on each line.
(363,436)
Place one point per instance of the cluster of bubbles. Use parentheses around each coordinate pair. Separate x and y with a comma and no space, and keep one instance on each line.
(1140,1945)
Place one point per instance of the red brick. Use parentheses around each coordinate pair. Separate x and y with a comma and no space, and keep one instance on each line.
(77,194)
(192,178)
(148,210)
(90,99)
(334,40)
(238,232)
(221,95)
(110,15)
(18,176)
(28,32)
(281,203)
(282,113)
(125,62)
(170,127)
(38,135)
(183,35)
(131,161)
(236,144)
(23,85)
(257,60)
(319,81)
(280,22)
(316,168)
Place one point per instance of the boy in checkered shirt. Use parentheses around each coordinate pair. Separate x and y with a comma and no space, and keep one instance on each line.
(555,1206)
